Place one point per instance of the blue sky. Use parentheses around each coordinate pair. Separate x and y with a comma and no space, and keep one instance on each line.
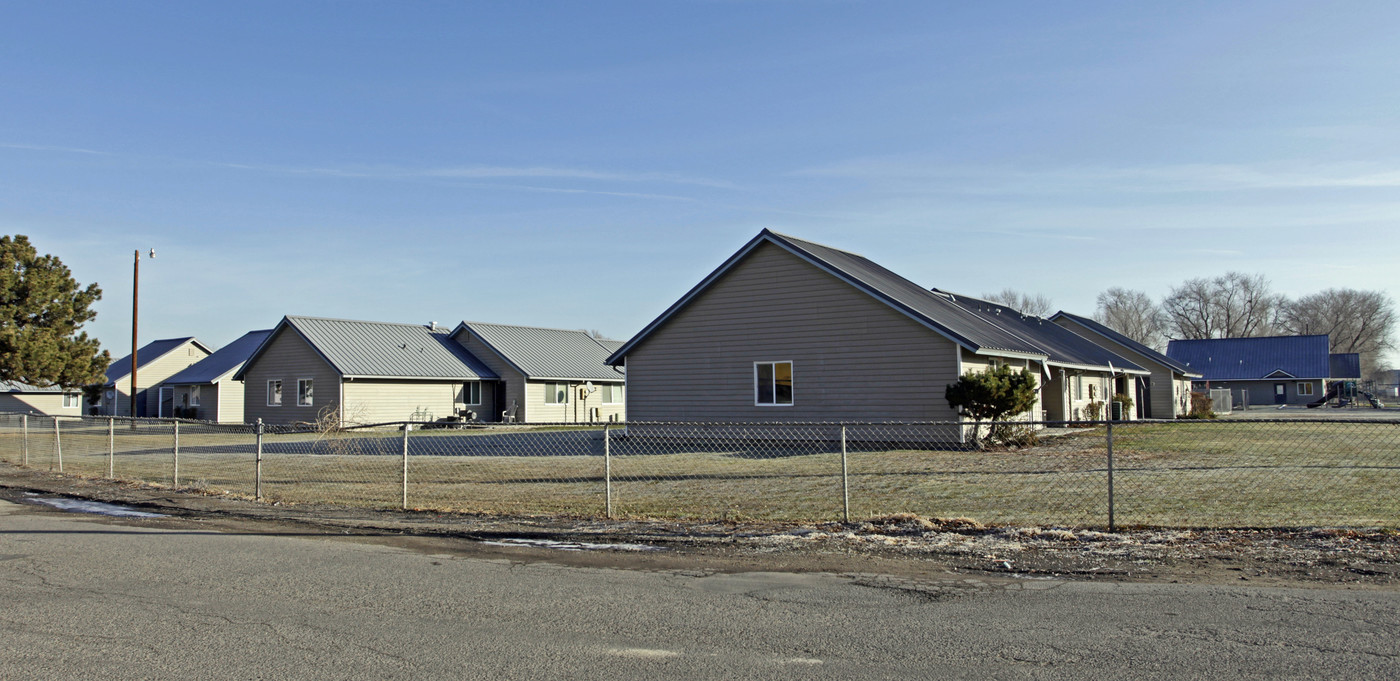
(581,165)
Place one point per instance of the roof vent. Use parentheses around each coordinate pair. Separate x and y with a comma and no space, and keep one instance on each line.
(432,326)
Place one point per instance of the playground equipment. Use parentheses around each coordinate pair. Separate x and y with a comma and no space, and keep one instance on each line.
(1345,393)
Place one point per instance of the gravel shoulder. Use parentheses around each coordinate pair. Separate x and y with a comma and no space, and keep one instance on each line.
(895,547)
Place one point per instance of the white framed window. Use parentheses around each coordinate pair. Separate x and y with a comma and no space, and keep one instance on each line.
(304,386)
(194,396)
(71,399)
(772,384)
(556,393)
(612,393)
(1305,388)
(1078,387)
(274,393)
(471,392)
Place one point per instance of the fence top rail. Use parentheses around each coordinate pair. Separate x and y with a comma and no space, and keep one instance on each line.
(598,425)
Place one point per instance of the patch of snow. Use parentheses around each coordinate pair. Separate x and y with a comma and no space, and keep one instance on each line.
(644,653)
(571,545)
(83,506)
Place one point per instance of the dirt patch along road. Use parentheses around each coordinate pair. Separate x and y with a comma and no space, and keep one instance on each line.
(902,546)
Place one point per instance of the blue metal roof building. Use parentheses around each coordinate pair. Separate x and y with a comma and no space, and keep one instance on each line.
(1230,359)
(1275,370)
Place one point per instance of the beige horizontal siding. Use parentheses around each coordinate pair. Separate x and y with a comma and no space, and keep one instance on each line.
(50,404)
(575,411)
(854,358)
(383,401)
(973,363)
(154,374)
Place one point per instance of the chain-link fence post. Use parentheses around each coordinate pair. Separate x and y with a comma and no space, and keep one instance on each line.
(1109,438)
(175,450)
(607,472)
(257,462)
(406,428)
(111,448)
(845,481)
(57,444)
(24,422)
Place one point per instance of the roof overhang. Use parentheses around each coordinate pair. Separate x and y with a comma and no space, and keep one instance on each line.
(550,379)
(456,379)
(1104,369)
(988,352)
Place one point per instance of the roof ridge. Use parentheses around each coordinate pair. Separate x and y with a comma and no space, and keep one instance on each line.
(799,239)
(1248,338)
(527,326)
(357,321)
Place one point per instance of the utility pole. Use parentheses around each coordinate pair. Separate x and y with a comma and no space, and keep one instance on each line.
(135,299)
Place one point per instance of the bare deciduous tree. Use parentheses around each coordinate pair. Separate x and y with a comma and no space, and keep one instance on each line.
(1131,313)
(1354,321)
(1234,305)
(1036,306)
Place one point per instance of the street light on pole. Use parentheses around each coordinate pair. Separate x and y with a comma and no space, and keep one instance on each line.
(135,300)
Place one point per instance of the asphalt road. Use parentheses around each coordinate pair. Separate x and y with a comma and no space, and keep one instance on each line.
(85,598)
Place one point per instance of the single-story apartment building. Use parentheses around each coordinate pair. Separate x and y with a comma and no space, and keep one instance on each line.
(22,398)
(546,375)
(314,369)
(1165,391)
(156,362)
(206,391)
(791,330)
(1080,371)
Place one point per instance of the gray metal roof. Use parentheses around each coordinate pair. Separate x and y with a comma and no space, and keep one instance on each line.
(146,354)
(1061,346)
(225,361)
(358,349)
(610,345)
(547,353)
(1119,338)
(17,387)
(968,329)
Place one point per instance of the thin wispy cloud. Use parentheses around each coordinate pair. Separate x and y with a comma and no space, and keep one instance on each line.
(1172,178)
(44,147)
(486,172)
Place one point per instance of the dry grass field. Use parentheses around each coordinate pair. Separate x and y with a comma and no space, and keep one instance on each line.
(1187,474)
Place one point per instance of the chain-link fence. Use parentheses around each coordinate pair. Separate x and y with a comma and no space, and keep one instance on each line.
(1256,473)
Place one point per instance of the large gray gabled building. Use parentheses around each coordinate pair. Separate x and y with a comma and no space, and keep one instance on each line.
(791,330)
